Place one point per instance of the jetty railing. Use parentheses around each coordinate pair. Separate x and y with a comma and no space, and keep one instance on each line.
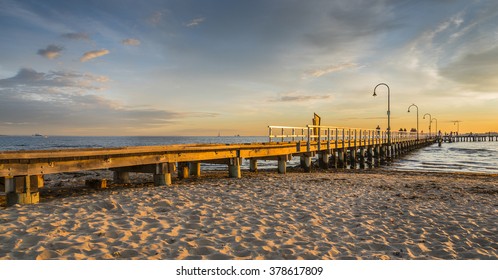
(315,133)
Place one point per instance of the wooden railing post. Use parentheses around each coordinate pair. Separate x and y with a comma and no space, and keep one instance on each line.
(328,140)
(308,145)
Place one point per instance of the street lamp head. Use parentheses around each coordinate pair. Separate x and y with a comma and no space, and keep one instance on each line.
(375,94)
(408,110)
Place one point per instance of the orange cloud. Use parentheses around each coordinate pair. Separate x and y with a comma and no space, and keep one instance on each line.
(51,51)
(93,54)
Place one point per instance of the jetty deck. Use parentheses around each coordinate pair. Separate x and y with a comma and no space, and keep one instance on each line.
(21,172)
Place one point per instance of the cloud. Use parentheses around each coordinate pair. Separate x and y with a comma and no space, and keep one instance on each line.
(28,78)
(346,25)
(66,101)
(296,97)
(131,42)
(156,18)
(475,71)
(93,54)
(195,22)
(334,68)
(50,52)
(77,36)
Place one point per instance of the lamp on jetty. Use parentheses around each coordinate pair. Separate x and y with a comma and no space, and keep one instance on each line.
(458,125)
(388,112)
(434,119)
(417,115)
(430,122)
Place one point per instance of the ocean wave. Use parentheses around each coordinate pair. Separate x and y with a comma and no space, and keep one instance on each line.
(470,150)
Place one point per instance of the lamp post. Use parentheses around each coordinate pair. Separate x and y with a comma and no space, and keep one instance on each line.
(388,112)
(430,122)
(458,126)
(434,119)
(417,115)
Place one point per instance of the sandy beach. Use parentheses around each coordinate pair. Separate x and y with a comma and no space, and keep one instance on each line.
(362,214)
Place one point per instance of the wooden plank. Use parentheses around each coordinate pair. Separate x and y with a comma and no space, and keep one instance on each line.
(141,150)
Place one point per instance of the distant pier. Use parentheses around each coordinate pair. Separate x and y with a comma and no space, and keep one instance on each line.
(22,172)
(481,137)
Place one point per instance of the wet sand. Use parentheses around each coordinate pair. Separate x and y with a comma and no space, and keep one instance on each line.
(372,214)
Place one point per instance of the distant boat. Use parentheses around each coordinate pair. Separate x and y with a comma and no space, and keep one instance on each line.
(40,135)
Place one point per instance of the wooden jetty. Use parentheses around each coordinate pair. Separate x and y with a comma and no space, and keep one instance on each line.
(480,137)
(22,172)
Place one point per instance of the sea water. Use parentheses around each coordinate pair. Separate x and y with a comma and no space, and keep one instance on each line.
(476,157)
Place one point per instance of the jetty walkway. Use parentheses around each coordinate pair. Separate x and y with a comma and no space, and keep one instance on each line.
(22,172)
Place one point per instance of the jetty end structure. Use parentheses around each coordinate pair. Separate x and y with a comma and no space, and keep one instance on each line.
(22,172)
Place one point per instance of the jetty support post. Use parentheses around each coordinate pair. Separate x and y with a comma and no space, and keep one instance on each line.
(121,177)
(234,167)
(253,165)
(362,157)
(162,175)
(282,164)
(341,154)
(306,161)
(369,155)
(323,160)
(183,170)
(383,153)
(194,169)
(352,158)
(334,159)
(22,189)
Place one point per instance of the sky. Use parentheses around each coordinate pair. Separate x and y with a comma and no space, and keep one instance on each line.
(235,67)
